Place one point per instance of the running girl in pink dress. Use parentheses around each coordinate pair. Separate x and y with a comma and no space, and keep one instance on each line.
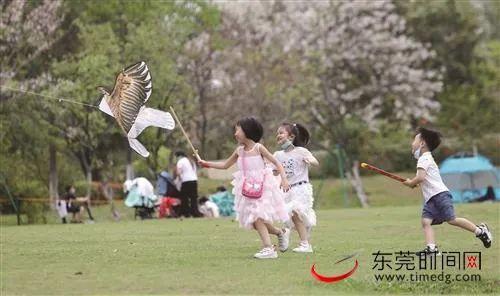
(258,200)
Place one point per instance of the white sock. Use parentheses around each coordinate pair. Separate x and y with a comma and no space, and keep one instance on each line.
(478,231)
(432,246)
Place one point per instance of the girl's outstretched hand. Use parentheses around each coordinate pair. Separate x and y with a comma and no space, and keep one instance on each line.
(203,163)
(284,185)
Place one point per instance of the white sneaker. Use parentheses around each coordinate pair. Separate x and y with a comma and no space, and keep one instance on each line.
(284,240)
(303,247)
(485,236)
(266,253)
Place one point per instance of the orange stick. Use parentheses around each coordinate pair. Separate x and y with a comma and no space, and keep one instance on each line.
(382,172)
(195,151)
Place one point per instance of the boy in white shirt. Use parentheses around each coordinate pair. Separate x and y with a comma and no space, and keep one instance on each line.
(438,205)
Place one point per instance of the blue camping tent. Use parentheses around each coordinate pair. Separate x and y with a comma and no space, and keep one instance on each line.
(467,176)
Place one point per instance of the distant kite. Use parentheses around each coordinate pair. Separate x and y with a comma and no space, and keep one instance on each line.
(132,89)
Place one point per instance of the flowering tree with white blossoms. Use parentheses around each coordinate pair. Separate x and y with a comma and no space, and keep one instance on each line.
(26,32)
(356,63)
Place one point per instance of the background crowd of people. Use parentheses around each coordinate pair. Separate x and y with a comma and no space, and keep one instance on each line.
(175,196)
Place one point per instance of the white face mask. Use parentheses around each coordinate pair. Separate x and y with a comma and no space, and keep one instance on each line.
(287,144)
(416,154)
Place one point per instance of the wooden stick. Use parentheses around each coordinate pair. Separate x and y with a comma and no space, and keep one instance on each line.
(195,151)
(382,172)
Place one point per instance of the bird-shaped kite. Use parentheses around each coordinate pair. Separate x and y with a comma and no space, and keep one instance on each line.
(132,89)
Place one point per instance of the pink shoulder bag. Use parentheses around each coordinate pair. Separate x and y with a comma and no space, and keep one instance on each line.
(252,188)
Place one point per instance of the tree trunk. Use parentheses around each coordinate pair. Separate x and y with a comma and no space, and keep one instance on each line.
(204,119)
(355,179)
(89,183)
(201,124)
(53,180)
(108,194)
(130,168)
(86,165)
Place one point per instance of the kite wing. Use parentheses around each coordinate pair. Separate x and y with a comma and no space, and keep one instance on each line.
(132,89)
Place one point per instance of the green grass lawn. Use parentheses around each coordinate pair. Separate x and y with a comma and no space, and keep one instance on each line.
(202,256)
(329,194)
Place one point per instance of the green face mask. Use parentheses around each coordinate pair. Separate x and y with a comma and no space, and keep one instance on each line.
(287,144)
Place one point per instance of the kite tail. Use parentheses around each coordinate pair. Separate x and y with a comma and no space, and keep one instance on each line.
(151,117)
(138,147)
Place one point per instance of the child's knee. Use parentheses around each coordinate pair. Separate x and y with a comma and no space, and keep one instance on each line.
(426,223)
(296,217)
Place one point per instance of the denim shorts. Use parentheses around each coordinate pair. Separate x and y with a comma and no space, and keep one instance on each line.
(439,208)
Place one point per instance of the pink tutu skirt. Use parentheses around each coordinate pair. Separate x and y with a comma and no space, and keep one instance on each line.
(270,207)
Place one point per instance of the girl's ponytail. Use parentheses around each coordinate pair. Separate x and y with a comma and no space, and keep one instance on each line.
(301,135)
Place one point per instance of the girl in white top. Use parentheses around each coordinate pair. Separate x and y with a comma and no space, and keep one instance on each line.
(296,159)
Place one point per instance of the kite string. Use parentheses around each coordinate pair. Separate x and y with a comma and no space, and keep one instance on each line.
(50,97)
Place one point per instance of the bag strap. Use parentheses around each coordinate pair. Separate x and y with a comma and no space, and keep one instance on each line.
(243,158)
(242,154)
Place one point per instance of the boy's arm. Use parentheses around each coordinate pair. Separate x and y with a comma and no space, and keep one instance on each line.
(220,165)
(419,178)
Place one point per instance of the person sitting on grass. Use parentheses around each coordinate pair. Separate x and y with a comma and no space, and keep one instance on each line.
(490,195)
(224,201)
(438,206)
(74,205)
(208,208)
